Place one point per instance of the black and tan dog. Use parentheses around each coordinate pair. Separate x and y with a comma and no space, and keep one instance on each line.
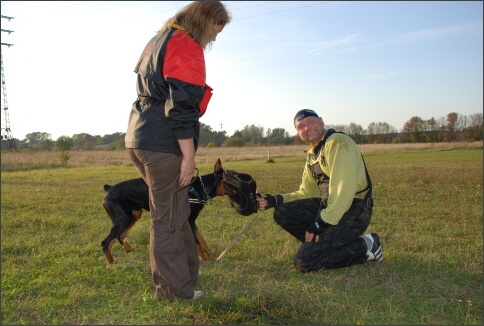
(125,201)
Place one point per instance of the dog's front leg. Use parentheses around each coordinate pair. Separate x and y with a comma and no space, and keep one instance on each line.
(204,252)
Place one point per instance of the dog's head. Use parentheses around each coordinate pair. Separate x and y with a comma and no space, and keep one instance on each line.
(244,188)
(218,173)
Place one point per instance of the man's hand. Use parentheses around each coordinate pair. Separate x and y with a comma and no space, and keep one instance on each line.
(266,201)
(314,230)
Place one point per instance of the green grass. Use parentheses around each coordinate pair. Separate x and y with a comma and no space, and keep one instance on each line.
(428,212)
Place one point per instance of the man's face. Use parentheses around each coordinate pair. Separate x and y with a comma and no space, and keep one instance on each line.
(310,129)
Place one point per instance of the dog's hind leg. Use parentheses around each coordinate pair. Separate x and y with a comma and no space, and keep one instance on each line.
(204,252)
(107,243)
(107,252)
(122,237)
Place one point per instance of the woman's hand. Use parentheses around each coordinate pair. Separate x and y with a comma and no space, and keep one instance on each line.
(188,162)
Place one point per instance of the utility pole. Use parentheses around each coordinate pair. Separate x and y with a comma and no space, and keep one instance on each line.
(6,131)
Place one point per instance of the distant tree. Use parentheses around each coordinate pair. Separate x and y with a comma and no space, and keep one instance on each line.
(88,145)
(233,142)
(413,130)
(278,136)
(80,140)
(474,127)
(208,135)
(430,124)
(109,139)
(253,134)
(46,145)
(383,132)
(430,130)
(355,131)
(117,144)
(6,144)
(64,143)
(372,132)
(98,140)
(337,127)
(452,127)
(452,119)
(439,129)
(35,139)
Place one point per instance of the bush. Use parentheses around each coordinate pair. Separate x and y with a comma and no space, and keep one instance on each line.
(233,142)
(64,157)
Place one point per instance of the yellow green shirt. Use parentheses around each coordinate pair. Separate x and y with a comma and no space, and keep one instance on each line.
(341,160)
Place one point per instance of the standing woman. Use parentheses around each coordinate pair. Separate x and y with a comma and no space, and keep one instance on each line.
(162,138)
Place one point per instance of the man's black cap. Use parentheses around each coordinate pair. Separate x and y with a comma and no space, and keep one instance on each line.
(304,113)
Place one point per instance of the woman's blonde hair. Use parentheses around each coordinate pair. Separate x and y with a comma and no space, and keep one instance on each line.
(198,19)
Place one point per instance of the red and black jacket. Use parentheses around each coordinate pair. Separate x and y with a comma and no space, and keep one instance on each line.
(172,93)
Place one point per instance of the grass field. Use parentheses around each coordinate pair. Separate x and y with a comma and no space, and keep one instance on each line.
(428,212)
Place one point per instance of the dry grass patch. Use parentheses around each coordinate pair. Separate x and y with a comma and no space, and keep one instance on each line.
(27,160)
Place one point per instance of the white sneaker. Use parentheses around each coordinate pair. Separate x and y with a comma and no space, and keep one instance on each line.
(375,252)
(197,295)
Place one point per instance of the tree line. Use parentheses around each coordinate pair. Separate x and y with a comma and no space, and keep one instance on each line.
(453,127)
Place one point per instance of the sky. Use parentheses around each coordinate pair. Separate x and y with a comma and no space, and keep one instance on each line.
(70,68)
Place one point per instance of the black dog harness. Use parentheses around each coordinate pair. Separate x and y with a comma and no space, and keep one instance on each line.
(195,196)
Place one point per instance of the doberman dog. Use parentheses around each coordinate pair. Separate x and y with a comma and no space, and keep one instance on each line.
(125,201)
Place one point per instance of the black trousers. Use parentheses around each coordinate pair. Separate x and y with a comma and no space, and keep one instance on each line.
(339,245)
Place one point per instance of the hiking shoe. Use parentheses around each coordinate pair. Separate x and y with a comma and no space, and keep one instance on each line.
(375,252)
(197,295)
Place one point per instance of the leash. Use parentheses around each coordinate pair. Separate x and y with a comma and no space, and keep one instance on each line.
(237,238)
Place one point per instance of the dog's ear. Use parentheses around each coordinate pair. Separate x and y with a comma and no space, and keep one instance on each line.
(107,187)
(217,168)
